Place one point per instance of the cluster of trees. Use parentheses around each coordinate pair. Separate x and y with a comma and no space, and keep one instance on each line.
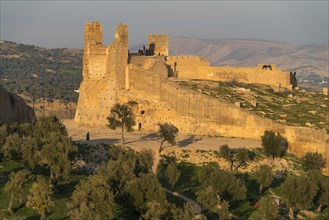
(219,189)
(124,182)
(44,145)
(307,191)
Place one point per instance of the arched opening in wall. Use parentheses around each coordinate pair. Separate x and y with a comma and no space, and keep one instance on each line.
(142,112)
(139,126)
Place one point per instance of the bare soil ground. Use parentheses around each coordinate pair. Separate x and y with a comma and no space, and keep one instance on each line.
(189,148)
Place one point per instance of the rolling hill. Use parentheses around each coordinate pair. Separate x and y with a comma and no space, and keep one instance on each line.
(304,59)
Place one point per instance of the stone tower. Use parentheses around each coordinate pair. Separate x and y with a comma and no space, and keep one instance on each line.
(121,54)
(93,33)
(103,74)
(158,43)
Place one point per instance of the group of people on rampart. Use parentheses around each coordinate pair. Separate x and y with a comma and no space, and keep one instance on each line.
(145,52)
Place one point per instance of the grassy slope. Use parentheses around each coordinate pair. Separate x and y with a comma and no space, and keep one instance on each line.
(297,110)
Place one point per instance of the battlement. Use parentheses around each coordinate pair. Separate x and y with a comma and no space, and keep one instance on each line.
(185,58)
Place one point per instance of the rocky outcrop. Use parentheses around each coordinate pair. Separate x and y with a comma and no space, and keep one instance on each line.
(14,109)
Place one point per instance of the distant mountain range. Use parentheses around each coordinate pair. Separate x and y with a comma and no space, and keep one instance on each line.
(304,59)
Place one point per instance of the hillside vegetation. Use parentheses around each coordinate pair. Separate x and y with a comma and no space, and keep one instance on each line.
(40,72)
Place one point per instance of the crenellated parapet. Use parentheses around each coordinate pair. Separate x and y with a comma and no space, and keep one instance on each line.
(186,59)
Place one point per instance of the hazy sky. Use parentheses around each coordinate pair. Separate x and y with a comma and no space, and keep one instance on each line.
(60,23)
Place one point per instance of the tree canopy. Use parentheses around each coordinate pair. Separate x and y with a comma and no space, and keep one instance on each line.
(172,174)
(264,176)
(92,199)
(168,132)
(272,144)
(121,115)
(145,192)
(40,196)
(313,161)
(15,186)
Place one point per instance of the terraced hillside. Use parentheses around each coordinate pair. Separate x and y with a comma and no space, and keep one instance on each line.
(299,108)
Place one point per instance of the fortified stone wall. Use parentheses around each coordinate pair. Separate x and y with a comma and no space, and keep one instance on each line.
(220,117)
(194,67)
(187,67)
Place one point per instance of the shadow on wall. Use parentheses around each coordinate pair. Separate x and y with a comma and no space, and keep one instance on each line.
(190,140)
(170,71)
(152,48)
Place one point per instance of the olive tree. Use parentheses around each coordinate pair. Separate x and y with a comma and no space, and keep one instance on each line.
(168,132)
(299,192)
(92,199)
(272,144)
(15,186)
(264,176)
(39,198)
(313,161)
(172,175)
(121,115)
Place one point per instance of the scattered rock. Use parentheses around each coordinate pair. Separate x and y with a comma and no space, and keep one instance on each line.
(309,124)
(254,103)
(312,112)
(283,116)
(237,104)
(244,89)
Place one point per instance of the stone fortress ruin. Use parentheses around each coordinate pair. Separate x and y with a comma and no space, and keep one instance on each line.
(112,74)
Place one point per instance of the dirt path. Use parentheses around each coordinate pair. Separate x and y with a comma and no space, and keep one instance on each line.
(149,140)
(197,209)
